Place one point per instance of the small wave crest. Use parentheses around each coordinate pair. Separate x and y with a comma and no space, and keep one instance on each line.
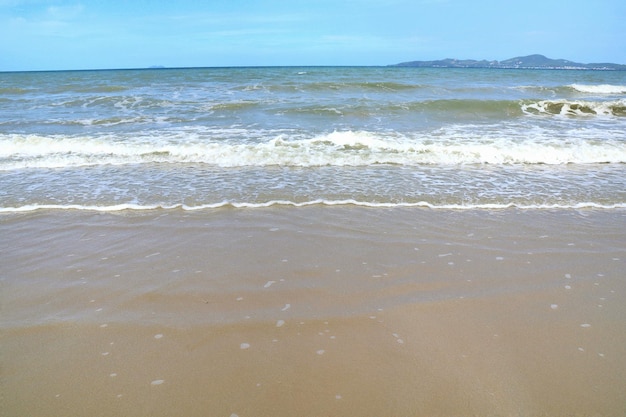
(286,203)
(599,88)
(575,108)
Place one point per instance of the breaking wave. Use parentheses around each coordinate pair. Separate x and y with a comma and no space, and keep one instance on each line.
(599,88)
(575,107)
(443,147)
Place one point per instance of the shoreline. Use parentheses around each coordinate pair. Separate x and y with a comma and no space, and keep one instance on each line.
(314,311)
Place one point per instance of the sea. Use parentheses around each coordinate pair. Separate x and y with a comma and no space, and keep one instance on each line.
(207,138)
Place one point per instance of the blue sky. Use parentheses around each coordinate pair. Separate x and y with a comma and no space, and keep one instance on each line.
(90,34)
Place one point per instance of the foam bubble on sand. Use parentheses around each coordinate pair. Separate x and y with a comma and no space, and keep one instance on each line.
(158,336)
(269,284)
(554,306)
(105,353)
(398,339)
(280,323)
(113,375)
(104,325)
(244,346)
(499,258)
(153,254)
(585,325)
(568,287)
(568,276)
(320,352)
(157,382)
(234,415)
(337,397)
(286,307)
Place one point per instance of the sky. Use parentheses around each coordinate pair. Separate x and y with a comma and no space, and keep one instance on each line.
(102,34)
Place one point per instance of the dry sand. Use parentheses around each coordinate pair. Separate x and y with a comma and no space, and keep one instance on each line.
(314,311)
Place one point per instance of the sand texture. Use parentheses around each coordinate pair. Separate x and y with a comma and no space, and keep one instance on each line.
(314,311)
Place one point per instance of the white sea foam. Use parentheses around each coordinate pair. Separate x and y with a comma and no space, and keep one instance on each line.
(452,145)
(240,205)
(576,107)
(599,88)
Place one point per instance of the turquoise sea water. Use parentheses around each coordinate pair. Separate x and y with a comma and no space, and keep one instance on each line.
(252,137)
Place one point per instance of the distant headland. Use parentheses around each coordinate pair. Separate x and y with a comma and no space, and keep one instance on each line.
(522,62)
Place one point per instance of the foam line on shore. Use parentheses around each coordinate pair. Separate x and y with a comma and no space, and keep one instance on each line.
(349,202)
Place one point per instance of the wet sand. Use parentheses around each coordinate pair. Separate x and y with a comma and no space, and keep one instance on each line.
(316,311)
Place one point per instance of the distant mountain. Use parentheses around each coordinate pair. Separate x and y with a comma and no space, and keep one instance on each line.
(529,62)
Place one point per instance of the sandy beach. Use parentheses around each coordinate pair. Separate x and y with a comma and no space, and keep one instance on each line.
(314,311)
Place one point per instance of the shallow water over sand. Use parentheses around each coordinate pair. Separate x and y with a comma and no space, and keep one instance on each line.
(314,311)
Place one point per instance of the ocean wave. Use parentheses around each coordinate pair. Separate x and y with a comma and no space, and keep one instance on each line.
(599,88)
(286,203)
(346,148)
(503,109)
(329,86)
(14,90)
(575,107)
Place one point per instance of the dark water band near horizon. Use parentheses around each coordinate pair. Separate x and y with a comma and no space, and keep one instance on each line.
(313,242)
